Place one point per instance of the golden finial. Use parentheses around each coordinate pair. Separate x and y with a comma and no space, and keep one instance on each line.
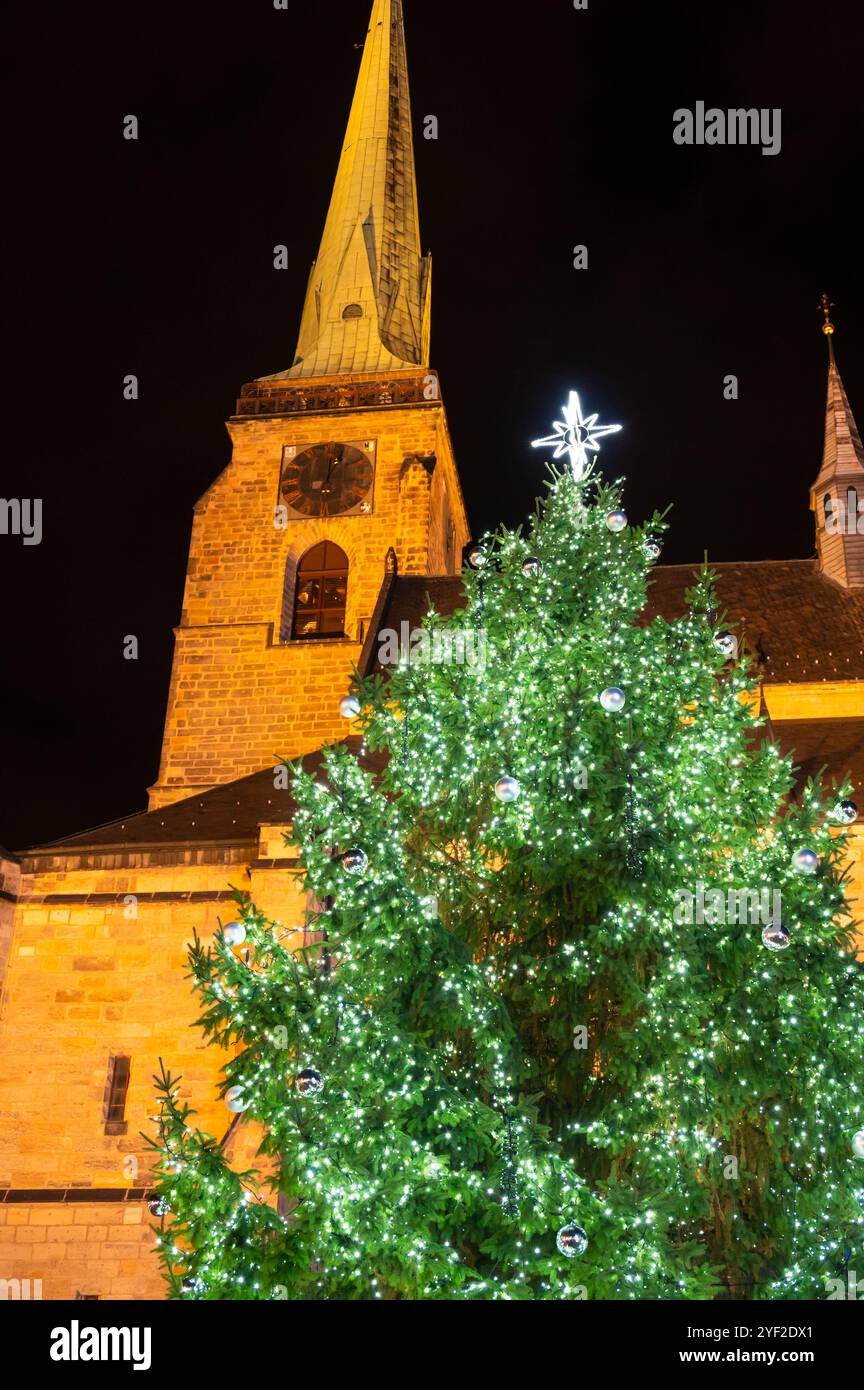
(826,305)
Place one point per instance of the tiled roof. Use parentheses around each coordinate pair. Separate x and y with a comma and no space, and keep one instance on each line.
(231,814)
(407,599)
(808,628)
(228,814)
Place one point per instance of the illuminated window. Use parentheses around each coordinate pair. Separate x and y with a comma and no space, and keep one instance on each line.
(119,1071)
(321,594)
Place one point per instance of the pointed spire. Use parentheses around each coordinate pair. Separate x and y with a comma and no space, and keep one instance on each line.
(367,303)
(843,451)
(843,455)
(839,489)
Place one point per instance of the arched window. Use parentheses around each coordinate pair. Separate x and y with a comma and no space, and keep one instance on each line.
(322,590)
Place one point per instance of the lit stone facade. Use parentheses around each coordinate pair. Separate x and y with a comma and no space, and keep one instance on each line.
(93,930)
(98,964)
(243,690)
(10,884)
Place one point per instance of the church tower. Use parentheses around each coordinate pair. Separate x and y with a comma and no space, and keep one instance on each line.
(342,472)
(837,496)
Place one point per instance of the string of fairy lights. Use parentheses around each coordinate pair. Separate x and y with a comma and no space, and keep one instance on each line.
(505,885)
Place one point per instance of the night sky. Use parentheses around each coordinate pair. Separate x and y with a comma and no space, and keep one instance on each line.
(155,258)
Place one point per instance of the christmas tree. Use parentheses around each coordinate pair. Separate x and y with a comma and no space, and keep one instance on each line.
(580,1016)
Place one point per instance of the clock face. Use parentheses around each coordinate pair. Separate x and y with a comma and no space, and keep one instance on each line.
(328,480)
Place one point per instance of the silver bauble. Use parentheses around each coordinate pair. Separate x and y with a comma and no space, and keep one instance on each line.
(507,789)
(354,861)
(309,1082)
(236,1100)
(477,557)
(726,644)
(776,937)
(572,1241)
(613,699)
(235,933)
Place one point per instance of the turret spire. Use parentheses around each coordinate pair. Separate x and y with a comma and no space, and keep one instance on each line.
(367,303)
(837,496)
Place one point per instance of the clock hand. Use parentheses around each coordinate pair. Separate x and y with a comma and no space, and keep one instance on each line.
(325,490)
(334,464)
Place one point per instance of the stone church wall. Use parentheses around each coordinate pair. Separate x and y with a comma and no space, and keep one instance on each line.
(87,981)
(242,696)
(10,879)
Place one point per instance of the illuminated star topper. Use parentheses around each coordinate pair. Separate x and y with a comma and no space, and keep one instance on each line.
(575,435)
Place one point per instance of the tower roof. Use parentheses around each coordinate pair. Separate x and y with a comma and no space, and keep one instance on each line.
(835,498)
(367,302)
(843,456)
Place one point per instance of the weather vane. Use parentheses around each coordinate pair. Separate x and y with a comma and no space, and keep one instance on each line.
(575,435)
